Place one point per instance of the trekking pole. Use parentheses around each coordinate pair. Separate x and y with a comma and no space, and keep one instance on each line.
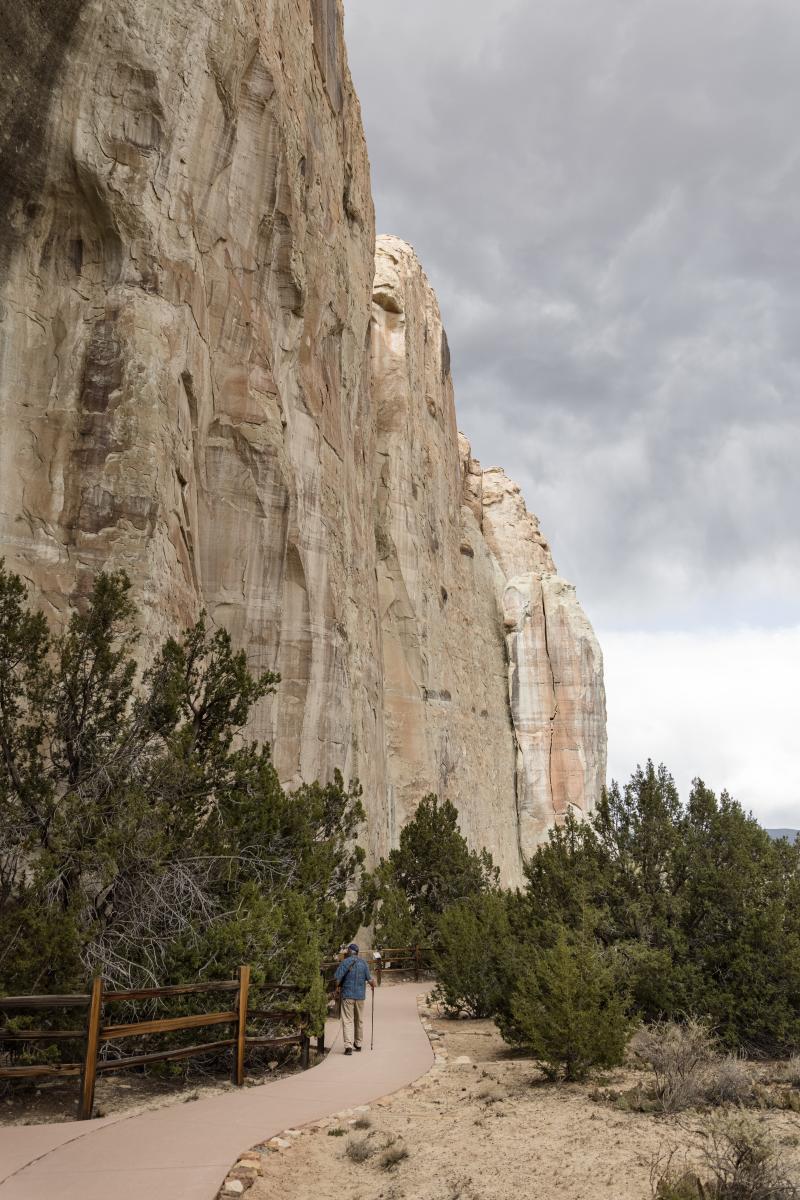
(372,1039)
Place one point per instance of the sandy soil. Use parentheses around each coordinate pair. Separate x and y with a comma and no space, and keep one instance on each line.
(490,1129)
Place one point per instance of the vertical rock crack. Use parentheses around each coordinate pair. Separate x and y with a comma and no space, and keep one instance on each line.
(555,706)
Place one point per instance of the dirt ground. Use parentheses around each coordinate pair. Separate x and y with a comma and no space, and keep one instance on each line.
(130,1092)
(490,1128)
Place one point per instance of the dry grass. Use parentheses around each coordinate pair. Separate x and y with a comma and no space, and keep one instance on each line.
(729,1082)
(681,1057)
(791,1072)
(740,1162)
(359,1150)
(393,1155)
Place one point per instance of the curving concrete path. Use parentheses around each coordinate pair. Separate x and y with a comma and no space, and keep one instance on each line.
(184,1152)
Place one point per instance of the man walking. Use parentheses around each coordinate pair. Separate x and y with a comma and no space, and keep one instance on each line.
(352,976)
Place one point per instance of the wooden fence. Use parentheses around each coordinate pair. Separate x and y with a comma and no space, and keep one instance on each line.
(414,959)
(96,1031)
(402,958)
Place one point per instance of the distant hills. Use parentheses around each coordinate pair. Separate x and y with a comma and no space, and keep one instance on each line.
(791,834)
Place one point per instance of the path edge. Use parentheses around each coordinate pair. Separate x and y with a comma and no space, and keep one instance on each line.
(248,1167)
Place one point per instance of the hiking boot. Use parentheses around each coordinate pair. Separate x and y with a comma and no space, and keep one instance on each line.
(348,1050)
(357,1049)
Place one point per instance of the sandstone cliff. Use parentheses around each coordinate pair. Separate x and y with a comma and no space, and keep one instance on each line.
(199,383)
(492,676)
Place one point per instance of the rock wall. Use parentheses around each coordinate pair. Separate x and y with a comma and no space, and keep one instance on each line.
(199,383)
(446,708)
(183,384)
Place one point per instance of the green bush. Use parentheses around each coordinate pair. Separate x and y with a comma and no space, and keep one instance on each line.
(144,838)
(433,868)
(473,956)
(569,1007)
(702,908)
(394,923)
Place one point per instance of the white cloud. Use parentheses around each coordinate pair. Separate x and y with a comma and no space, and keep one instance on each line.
(723,706)
(604,195)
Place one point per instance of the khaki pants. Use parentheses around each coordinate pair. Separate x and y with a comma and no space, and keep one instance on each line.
(352,1022)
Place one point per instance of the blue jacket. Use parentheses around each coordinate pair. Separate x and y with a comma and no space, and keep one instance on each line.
(356,975)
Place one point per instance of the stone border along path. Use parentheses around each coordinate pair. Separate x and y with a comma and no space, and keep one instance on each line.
(252,1163)
(184,1151)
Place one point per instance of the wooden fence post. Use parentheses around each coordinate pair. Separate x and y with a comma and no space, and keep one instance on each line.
(416,964)
(241,1025)
(305,1044)
(89,1072)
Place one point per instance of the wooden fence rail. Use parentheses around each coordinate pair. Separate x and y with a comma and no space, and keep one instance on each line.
(401,958)
(96,1032)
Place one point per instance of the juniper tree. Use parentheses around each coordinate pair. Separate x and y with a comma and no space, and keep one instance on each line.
(570,1006)
(144,836)
(433,867)
(700,907)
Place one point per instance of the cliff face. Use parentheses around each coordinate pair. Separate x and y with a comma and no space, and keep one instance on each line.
(446,707)
(199,383)
(188,271)
(492,676)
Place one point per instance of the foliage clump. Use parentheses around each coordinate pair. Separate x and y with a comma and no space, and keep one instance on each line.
(570,1008)
(700,907)
(687,913)
(432,869)
(472,955)
(145,838)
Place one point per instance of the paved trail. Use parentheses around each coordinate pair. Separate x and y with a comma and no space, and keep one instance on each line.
(183,1152)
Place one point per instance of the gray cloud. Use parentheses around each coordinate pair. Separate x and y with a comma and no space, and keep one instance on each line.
(605,195)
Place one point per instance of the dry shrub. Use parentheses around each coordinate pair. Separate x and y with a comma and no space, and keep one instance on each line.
(791,1071)
(394,1153)
(740,1162)
(359,1150)
(788,1100)
(744,1162)
(729,1082)
(679,1187)
(362,1123)
(680,1057)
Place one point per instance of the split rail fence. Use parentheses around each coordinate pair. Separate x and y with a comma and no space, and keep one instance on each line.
(409,959)
(414,959)
(97,1032)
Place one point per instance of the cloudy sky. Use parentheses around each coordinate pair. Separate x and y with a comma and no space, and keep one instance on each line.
(605,195)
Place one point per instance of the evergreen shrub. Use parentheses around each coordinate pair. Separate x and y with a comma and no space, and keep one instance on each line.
(569,1007)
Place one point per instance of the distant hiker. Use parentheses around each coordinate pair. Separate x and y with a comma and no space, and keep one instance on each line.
(352,976)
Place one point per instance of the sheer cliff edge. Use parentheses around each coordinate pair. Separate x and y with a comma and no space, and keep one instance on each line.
(213,377)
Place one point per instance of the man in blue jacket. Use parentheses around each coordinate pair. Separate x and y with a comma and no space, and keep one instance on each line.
(352,976)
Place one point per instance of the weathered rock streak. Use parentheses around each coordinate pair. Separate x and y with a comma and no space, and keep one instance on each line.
(209,378)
